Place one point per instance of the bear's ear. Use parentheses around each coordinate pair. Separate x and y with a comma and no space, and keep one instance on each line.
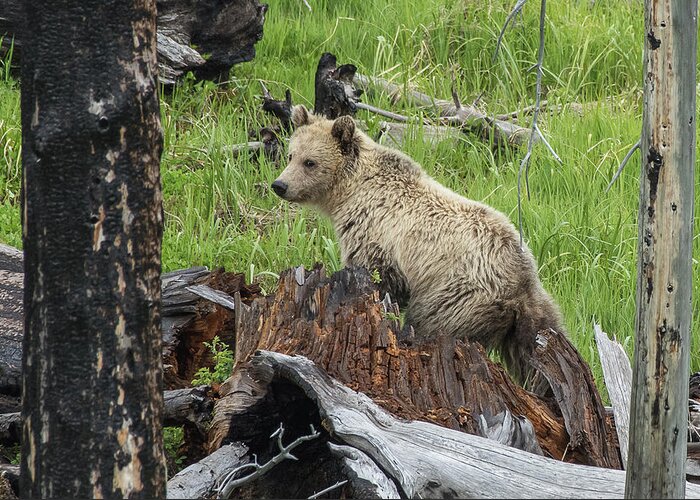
(344,131)
(300,116)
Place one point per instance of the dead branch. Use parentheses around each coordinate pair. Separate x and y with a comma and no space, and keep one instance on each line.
(381,112)
(514,12)
(329,489)
(452,112)
(627,157)
(230,483)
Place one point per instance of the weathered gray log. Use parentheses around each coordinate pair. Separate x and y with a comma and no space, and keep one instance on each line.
(617,374)
(509,430)
(398,134)
(10,428)
(11,319)
(658,421)
(199,479)
(451,112)
(190,406)
(366,478)
(215,296)
(207,37)
(426,460)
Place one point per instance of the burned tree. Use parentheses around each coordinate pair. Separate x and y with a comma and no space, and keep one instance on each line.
(92,216)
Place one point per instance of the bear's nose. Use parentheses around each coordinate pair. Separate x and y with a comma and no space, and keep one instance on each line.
(279,188)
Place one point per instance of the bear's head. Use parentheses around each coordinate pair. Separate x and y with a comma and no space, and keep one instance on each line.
(322,153)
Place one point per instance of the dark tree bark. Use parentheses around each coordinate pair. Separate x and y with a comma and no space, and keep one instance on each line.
(206,36)
(335,94)
(92,215)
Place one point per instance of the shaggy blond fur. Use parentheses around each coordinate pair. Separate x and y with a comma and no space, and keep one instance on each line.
(455,262)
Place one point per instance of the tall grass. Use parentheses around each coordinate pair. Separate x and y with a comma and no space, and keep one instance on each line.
(220,211)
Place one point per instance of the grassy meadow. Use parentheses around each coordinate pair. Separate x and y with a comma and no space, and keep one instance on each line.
(221,212)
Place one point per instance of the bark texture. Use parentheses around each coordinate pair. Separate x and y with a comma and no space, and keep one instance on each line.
(341,325)
(658,422)
(92,216)
(207,37)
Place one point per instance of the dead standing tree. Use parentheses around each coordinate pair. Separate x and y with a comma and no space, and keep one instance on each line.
(91,137)
(664,274)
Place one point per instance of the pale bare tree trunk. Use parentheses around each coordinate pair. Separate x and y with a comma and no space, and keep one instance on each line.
(658,424)
(92,215)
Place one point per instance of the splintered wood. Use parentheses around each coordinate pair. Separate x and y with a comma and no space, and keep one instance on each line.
(341,325)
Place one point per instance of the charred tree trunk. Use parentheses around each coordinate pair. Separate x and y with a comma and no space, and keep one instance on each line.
(207,36)
(658,422)
(92,219)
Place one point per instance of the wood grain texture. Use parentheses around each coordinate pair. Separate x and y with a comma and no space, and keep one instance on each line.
(658,418)
(366,479)
(617,373)
(430,461)
(342,325)
(199,479)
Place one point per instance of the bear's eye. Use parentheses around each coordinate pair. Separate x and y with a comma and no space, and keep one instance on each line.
(309,163)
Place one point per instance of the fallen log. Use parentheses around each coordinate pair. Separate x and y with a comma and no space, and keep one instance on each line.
(188,320)
(11,321)
(338,89)
(397,135)
(340,324)
(423,459)
(181,407)
(10,428)
(199,480)
(188,406)
(453,112)
(207,37)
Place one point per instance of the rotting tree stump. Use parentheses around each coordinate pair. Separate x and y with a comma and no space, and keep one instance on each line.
(341,325)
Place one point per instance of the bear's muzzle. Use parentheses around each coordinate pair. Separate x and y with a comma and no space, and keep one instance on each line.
(280,188)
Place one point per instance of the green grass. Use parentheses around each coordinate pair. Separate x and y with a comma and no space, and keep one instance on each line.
(220,211)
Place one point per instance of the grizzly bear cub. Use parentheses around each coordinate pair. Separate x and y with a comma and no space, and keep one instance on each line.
(456,263)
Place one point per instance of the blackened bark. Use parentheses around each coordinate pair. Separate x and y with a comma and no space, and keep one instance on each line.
(335,94)
(92,220)
(207,36)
